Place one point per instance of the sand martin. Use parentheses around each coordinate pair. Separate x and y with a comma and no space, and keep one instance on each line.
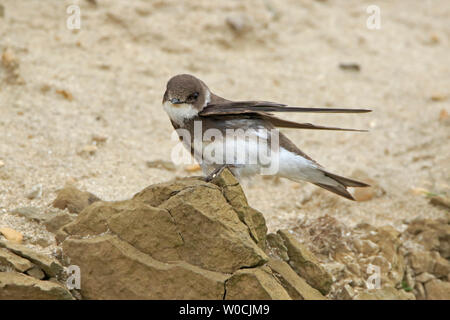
(189,103)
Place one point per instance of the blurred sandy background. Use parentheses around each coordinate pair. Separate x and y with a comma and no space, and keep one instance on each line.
(84,106)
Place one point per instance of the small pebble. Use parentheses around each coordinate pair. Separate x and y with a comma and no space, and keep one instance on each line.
(438,97)
(2,164)
(36,272)
(443,115)
(238,24)
(350,66)
(35,193)
(364,194)
(161,164)
(99,139)
(8,58)
(66,94)
(89,149)
(11,235)
(434,39)
(419,191)
(440,201)
(192,168)
(45,88)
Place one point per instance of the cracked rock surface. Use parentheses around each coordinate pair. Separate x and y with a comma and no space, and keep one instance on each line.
(184,239)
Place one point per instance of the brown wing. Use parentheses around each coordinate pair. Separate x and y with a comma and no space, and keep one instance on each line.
(231,109)
(239,107)
(277,122)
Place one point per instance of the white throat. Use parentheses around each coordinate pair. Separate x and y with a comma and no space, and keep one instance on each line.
(179,113)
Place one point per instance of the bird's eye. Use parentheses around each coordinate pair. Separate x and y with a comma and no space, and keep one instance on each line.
(193,96)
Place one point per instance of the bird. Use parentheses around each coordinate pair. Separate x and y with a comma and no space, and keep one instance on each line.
(206,125)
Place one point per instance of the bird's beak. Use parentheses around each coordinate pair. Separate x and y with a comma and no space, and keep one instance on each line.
(176,101)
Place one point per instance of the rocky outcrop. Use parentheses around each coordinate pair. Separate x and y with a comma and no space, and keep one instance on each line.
(50,266)
(185,239)
(74,200)
(26,274)
(296,286)
(17,286)
(405,265)
(386,293)
(306,264)
(52,219)
(255,284)
(192,239)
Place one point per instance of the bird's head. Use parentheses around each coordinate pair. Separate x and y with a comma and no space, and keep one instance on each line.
(185,97)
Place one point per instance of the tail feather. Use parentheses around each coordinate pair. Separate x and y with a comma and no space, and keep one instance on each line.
(339,190)
(346,181)
(340,184)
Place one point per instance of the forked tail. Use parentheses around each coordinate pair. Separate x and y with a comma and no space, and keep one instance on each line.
(338,184)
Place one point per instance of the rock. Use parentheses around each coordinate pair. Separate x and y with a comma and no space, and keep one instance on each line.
(52,219)
(254,284)
(41,241)
(11,235)
(11,66)
(106,261)
(35,193)
(419,291)
(296,287)
(432,235)
(354,268)
(193,168)
(235,196)
(276,248)
(36,272)
(386,293)
(441,267)
(422,261)
(350,66)
(346,293)
(160,164)
(368,193)
(438,97)
(306,264)
(364,194)
(440,201)
(51,267)
(98,139)
(410,281)
(56,221)
(437,290)
(443,115)
(88,150)
(444,246)
(388,257)
(238,24)
(65,94)
(31,213)
(73,199)
(9,59)
(184,239)
(2,164)
(225,242)
(17,286)
(425,277)
(366,247)
(9,260)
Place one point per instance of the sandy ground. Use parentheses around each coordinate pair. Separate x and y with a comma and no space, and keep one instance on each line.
(59,87)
